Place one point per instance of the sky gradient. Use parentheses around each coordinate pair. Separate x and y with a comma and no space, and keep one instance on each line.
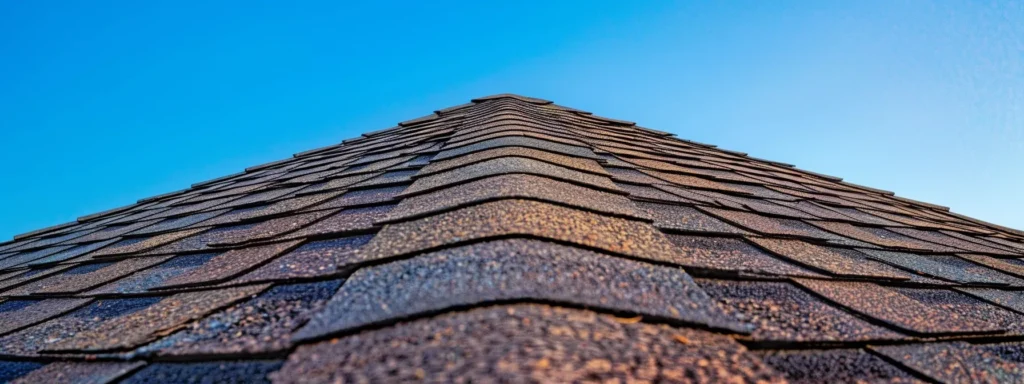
(103,105)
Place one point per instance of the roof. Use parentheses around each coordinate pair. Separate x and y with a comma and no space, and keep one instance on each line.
(514,238)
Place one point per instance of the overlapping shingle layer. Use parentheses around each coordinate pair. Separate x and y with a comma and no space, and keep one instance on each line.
(514,239)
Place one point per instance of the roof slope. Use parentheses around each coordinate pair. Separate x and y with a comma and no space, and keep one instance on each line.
(514,238)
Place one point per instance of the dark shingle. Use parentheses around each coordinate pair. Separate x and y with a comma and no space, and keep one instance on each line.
(835,366)
(143,244)
(18,314)
(154,277)
(364,197)
(30,341)
(139,327)
(222,372)
(318,258)
(79,373)
(75,280)
(259,325)
(229,264)
(72,252)
(10,370)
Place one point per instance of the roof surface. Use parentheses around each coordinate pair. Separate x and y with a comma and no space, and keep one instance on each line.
(513,238)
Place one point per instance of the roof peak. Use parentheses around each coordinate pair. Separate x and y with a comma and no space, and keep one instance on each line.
(527,99)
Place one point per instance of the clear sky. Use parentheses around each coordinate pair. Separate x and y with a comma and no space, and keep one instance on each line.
(103,103)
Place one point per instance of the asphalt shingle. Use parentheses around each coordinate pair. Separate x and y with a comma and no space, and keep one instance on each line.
(480,243)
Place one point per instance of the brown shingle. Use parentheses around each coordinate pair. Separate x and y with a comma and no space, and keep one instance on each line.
(731,255)
(779,311)
(512,270)
(680,218)
(524,341)
(823,259)
(507,218)
(507,165)
(577,163)
(511,187)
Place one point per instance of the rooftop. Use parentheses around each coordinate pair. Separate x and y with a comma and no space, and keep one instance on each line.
(511,237)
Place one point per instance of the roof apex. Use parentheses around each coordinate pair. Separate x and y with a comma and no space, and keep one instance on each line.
(513,96)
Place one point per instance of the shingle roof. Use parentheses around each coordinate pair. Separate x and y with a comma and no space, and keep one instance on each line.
(516,239)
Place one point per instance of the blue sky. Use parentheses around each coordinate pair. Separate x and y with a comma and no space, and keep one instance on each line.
(103,104)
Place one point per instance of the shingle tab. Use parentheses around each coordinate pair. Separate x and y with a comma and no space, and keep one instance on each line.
(229,264)
(897,309)
(269,229)
(139,327)
(29,341)
(139,245)
(516,269)
(731,255)
(779,311)
(954,362)
(835,366)
(18,314)
(259,325)
(523,341)
(577,163)
(686,219)
(348,220)
(507,165)
(142,281)
(226,372)
(511,187)
(313,259)
(71,281)
(506,218)
(824,259)
(945,267)
(518,141)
